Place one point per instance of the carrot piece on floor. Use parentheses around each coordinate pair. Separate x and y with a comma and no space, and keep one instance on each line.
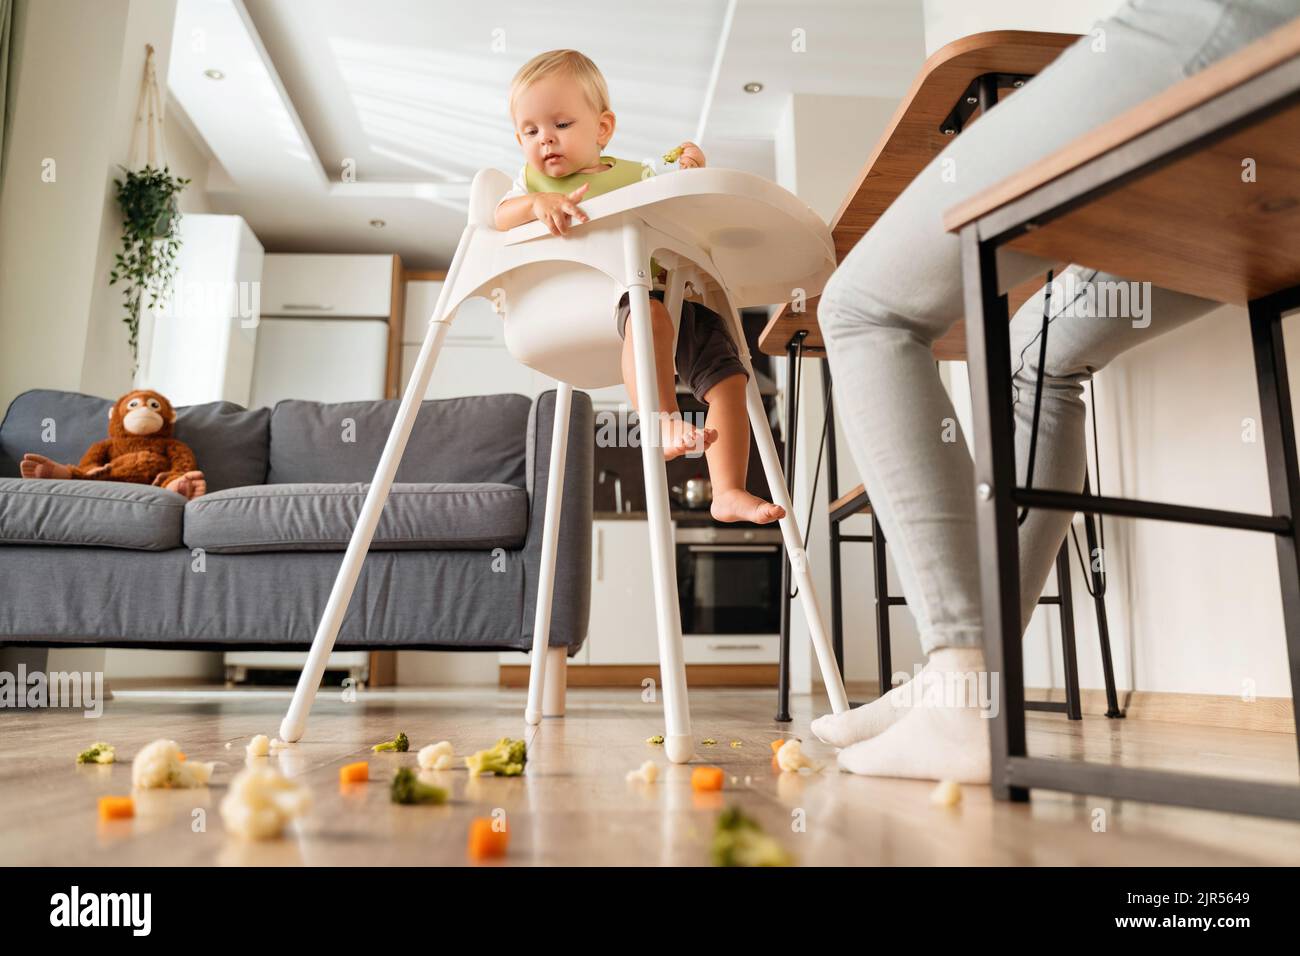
(777,745)
(358,772)
(706,778)
(484,841)
(180,755)
(116,808)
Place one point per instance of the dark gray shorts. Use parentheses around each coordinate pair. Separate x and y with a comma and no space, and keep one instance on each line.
(705,352)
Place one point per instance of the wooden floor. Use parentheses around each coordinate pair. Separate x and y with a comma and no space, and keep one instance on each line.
(574,806)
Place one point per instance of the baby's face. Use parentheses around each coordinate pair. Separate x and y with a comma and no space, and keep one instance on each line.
(557,127)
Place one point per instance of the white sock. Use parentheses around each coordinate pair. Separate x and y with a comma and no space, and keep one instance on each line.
(871,719)
(944,735)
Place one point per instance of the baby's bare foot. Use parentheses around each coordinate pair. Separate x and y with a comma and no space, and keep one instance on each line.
(38,466)
(739,505)
(679,437)
(192,485)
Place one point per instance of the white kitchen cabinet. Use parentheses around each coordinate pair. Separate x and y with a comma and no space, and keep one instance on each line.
(326,286)
(622,629)
(320,360)
(473,360)
(475,322)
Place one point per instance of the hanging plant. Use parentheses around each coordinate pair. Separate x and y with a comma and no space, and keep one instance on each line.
(150,240)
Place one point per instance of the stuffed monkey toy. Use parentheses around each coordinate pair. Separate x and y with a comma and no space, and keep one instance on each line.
(140,448)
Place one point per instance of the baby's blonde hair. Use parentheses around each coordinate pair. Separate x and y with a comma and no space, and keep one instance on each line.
(571,62)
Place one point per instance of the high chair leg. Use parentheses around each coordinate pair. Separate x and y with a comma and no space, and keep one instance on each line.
(794,548)
(672,666)
(295,720)
(537,676)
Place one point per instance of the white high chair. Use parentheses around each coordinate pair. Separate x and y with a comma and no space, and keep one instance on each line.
(740,240)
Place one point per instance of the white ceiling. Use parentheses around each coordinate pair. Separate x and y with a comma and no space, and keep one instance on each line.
(413,93)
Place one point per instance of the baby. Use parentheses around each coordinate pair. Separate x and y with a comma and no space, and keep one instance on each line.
(559,105)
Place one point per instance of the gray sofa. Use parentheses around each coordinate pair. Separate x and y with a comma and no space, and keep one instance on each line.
(453,566)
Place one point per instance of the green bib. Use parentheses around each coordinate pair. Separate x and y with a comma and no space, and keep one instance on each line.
(623,172)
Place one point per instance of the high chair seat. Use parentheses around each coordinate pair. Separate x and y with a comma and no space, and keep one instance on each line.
(738,230)
(739,240)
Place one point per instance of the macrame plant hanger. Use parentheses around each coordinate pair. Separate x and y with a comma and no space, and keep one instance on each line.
(149,122)
(149,118)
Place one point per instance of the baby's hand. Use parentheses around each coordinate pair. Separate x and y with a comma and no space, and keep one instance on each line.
(554,209)
(691,156)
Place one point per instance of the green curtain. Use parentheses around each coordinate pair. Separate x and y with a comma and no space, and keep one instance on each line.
(6,40)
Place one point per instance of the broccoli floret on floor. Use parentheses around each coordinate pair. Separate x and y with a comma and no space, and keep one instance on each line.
(399,744)
(740,841)
(98,752)
(407,788)
(506,758)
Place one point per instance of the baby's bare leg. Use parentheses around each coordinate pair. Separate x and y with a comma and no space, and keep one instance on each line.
(728,457)
(678,436)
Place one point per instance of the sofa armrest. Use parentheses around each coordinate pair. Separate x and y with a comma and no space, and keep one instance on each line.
(571,605)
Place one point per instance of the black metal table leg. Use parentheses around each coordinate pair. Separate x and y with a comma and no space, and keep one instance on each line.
(832,493)
(1096,565)
(794,356)
(1278,428)
(884,664)
(1069,655)
(988,348)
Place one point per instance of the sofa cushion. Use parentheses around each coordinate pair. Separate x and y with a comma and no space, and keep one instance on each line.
(455,440)
(320,517)
(229,442)
(111,514)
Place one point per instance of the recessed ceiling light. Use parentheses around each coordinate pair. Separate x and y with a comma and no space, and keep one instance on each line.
(214,74)
(753,87)
(378,223)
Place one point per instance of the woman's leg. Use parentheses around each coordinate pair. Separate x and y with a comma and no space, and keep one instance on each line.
(900,289)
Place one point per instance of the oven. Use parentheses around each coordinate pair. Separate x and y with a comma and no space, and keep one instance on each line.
(729,580)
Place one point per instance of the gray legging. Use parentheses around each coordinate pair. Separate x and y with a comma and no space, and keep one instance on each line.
(900,289)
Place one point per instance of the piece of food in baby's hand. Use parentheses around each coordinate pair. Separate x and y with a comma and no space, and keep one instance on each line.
(487,839)
(261,800)
(358,772)
(116,808)
(98,752)
(407,789)
(648,772)
(398,744)
(161,764)
(506,758)
(673,155)
(439,756)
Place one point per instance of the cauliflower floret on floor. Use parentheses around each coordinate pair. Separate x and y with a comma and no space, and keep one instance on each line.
(791,758)
(648,772)
(259,746)
(946,794)
(159,765)
(261,802)
(439,756)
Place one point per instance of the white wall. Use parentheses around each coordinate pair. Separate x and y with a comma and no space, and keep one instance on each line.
(76,75)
